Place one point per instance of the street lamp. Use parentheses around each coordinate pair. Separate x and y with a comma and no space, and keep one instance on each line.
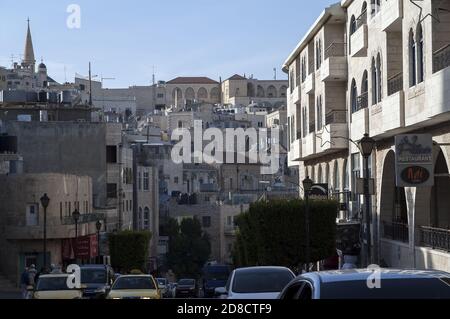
(307,186)
(45,201)
(98,225)
(366,146)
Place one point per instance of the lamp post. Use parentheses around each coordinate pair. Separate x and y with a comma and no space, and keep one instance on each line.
(366,146)
(45,201)
(98,226)
(76,217)
(307,186)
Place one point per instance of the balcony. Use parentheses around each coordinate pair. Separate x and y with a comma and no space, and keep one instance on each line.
(334,68)
(308,85)
(295,153)
(388,117)
(360,124)
(392,14)
(230,230)
(435,238)
(334,135)
(358,42)
(395,83)
(397,231)
(308,146)
(296,95)
(441,58)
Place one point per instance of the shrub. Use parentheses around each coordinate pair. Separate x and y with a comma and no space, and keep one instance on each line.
(129,250)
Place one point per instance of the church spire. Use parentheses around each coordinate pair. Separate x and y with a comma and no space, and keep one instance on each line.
(28,56)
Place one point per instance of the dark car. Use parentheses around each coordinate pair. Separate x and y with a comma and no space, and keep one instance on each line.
(369,284)
(214,276)
(186,288)
(97,279)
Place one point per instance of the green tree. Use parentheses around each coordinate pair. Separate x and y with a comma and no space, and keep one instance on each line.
(189,248)
(129,250)
(273,233)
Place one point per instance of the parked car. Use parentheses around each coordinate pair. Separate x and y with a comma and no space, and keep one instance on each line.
(55,286)
(134,287)
(365,284)
(186,288)
(214,276)
(98,280)
(256,283)
(163,287)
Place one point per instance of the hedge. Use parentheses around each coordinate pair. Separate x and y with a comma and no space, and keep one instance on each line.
(273,233)
(129,250)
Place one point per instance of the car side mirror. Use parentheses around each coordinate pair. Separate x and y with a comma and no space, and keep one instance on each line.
(221,291)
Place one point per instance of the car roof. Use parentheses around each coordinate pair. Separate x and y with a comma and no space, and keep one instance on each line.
(134,276)
(260,268)
(54,276)
(93,266)
(363,274)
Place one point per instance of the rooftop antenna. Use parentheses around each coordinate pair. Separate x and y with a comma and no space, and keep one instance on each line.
(153,76)
(65,74)
(275,74)
(90,85)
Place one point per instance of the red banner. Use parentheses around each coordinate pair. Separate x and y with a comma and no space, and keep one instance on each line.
(82,248)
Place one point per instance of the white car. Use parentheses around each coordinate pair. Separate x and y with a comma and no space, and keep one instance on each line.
(256,283)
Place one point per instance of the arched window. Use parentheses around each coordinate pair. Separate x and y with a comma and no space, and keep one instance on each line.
(271,91)
(304,70)
(319,175)
(379,79)
(215,93)
(202,94)
(420,60)
(352,25)
(412,59)
(337,178)
(260,90)
(374,82)
(319,113)
(190,94)
(250,90)
(318,54)
(146,218)
(177,95)
(304,122)
(354,97)
(364,83)
(376,6)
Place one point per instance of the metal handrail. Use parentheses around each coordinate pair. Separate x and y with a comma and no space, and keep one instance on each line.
(362,101)
(395,83)
(336,117)
(335,49)
(441,58)
(435,238)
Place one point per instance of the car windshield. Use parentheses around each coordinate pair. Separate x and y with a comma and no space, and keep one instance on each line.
(261,281)
(132,283)
(52,284)
(432,288)
(186,282)
(93,276)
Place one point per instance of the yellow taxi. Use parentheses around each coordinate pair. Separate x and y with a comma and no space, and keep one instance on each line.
(134,287)
(54,287)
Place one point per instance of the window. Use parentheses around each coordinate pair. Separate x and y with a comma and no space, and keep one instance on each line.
(318,54)
(140,181)
(376,6)
(160,95)
(354,97)
(304,122)
(111,190)
(176,180)
(376,80)
(32,215)
(304,71)
(379,79)
(146,218)
(111,154)
(319,113)
(352,25)
(146,181)
(206,221)
(420,60)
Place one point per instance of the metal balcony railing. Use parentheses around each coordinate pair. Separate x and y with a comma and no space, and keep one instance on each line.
(336,117)
(435,238)
(84,219)
(398,231)
(395,84)
(363,101)
(335,49)
(361,20)
(441,58)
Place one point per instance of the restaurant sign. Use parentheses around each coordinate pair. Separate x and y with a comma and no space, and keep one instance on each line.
(414,160)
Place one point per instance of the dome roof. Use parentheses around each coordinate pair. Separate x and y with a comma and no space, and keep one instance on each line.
(42,66)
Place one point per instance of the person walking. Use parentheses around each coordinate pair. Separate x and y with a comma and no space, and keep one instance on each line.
(24,283)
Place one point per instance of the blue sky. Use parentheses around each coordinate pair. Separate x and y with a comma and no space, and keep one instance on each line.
(124,39)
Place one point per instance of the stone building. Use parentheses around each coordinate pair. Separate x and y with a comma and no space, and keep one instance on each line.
(391,70)
(22,219)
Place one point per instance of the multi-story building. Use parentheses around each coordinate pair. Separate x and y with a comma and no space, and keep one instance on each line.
(391,70)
